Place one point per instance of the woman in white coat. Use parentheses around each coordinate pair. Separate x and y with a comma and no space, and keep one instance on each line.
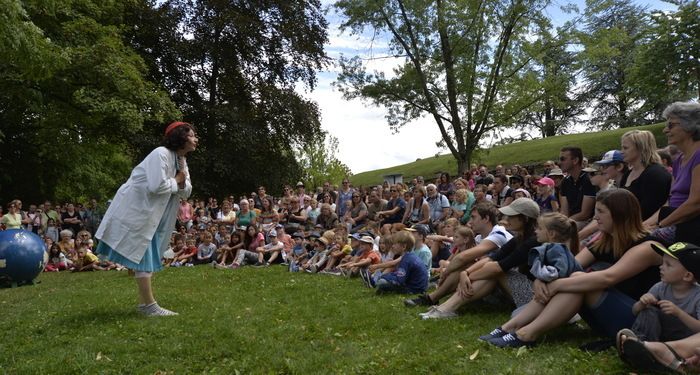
(136,228)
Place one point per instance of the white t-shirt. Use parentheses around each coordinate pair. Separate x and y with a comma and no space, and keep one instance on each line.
(498,235)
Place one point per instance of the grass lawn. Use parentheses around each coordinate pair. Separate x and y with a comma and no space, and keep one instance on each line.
(259,321)
(536,151)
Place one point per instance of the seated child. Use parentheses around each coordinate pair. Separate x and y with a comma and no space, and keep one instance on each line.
(206,251)
(365,257)
(87,261)
(270,251)
(186,255)
(671,309)
(57,260)
(177,248)
(341,252)
(317,262)
(410,276)
(298,253)
(230,248)
(463,239)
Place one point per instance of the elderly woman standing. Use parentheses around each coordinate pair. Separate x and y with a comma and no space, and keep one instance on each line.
(683,211)
(137,225)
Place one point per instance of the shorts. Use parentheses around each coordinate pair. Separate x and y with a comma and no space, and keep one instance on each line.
(611,313)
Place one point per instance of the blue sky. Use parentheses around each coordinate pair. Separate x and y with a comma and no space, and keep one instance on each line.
(365,140)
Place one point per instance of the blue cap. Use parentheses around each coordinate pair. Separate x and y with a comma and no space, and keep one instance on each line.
(610,157)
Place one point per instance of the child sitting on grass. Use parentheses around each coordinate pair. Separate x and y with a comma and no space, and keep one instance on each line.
(340,253)
(317,262)
(410,276)
(87,261)
(270,251)
(671,309)
(298,253)
(57,260)
(233,243)
(206,251)
(462,240)
(187,255)
(177,249)
(366,256)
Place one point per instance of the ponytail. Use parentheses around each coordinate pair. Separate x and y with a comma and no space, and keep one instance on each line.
(573,237)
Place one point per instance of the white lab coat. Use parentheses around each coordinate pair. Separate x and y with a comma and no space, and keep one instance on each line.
(133,216)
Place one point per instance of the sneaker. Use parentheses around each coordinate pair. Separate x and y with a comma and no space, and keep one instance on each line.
(496,333)
(430,309)
(313,268)
(436,313)
(175,264)
(511,340)
(213,264)
(334,272)
(221,266)
(259,264)
(234,265)
(154,310)
(367,278)
(422,300)
(189,264)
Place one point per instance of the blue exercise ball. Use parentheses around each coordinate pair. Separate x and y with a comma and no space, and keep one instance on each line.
(22,256)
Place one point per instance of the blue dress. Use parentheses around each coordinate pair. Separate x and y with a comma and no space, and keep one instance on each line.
(151,261)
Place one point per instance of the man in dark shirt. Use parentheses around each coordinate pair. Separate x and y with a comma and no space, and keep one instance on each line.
(577,193)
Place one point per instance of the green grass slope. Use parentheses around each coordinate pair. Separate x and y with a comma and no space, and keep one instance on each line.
(594,144)
(260,321)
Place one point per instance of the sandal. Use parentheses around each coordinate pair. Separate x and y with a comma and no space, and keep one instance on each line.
(628,333)
(638,355)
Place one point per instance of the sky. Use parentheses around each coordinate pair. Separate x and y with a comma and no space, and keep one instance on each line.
(365,140)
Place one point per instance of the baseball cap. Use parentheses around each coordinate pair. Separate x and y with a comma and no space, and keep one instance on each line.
(522,206)
(272,233)
(298,235)
(279,226)
(612,156)
(589,169)
(314,235)
(686,253)
(421,228)
(367,239)
(300,184)
(355,236)
(323,240)
(243,228)
(555,172)
(527,193)
(546,181)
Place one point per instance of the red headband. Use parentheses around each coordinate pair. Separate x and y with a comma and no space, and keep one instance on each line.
(173,126)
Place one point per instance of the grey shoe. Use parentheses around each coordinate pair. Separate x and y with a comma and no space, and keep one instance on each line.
(436,313)
(155,310)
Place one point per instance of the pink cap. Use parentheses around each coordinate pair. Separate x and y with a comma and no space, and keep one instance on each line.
(545,181)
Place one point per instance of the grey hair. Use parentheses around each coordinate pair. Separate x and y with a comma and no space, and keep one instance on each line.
(66,232)
(689,115)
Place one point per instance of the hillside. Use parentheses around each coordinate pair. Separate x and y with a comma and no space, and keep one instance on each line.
(594,144)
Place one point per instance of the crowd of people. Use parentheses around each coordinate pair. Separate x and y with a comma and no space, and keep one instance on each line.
(613,242)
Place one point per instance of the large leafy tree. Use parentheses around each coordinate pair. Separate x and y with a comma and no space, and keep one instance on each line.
(320,163)
(459,58)
(666,67)
(612,34)
(232,66)
(552,72)
(73,94)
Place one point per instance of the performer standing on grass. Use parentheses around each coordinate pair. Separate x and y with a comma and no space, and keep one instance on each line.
(136,228)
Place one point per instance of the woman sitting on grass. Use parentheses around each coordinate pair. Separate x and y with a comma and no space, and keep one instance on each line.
(496,269)
(622,266)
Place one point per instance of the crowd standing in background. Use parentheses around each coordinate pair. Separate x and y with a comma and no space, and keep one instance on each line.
(555,242)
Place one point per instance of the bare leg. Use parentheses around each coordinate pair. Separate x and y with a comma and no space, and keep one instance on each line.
(145,290)
(529,313)
(448,286)
(274,256)
(481,289)
(558,311)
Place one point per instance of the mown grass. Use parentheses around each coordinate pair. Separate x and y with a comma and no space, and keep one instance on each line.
(594,144)
(259,321)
